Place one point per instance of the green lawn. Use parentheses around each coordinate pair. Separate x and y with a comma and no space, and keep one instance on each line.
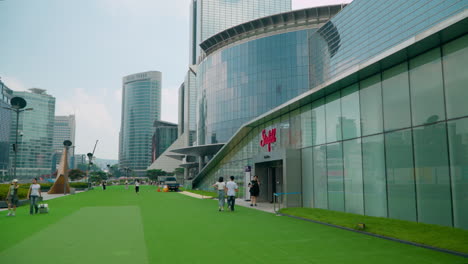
(118,226)
(433,235)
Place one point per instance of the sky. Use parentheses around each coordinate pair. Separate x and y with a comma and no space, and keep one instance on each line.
(80,50)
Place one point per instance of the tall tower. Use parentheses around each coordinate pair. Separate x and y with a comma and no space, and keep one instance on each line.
(36,134)
(141,106)
(5,129)
(64,129)
(207,18)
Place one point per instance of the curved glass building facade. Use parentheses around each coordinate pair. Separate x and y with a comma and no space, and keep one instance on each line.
(382,128)
(141,106)
(247,78)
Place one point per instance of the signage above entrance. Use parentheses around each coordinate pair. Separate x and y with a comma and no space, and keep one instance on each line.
(268,138)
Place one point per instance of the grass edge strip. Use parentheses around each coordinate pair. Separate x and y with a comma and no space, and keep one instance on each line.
(460,254)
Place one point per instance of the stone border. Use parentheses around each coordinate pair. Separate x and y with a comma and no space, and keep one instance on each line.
(456,253)
(199,196)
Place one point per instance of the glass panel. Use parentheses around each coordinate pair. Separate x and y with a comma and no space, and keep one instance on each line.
(354,200)
(375,185)
(400,176)
(320,177)
(333,114)
(396,98)
(427,96)
(306,125)
(295,132)
(351,120)
(335,177)
(318,122)
(307,178)
(456,77)
(432,175)
(458,145)
(371,106)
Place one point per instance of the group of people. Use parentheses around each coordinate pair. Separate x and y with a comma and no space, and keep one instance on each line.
(230,188)
(33,195)
(137,185)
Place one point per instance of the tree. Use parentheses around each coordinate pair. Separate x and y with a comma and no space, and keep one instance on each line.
(114,170)
(97,176)
(153,174)
(76,174)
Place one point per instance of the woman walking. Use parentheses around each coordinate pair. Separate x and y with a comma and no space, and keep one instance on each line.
(220,186)
(12,197)
(137,186)
(254,190)
(34,193)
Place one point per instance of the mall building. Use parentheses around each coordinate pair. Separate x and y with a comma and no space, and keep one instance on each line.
(359,108)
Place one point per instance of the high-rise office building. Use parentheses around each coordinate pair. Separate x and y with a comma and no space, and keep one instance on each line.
(209,17)
(34,150)
(141,106)
(165,133)
(5,120)
(64,129)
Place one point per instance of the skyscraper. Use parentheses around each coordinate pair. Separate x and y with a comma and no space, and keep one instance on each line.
(141,106)
(5,128)
(34,150)
(64,129)
(209,17)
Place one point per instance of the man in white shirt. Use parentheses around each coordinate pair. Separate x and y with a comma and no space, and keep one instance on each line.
(231,188)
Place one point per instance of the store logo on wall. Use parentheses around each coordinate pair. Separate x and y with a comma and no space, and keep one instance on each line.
(268,138)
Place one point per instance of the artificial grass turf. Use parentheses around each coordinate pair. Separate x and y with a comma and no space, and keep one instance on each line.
(433,235)
(155,227)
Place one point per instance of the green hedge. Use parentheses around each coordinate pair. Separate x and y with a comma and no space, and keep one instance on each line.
(80,185)
(22,192)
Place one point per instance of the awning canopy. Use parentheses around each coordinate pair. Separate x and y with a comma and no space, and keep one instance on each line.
(202,150)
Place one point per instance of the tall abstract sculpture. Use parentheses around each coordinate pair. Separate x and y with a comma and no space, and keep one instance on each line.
(61,184)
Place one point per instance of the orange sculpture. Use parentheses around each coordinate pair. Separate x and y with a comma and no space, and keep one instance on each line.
(61,184)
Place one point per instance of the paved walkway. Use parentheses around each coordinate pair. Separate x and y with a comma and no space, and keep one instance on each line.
(266,207)
(46,196)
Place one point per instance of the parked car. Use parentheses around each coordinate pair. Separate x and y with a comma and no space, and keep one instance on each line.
(171,183)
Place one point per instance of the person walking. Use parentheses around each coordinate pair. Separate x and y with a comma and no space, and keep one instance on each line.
(12,197)
(231,188)
(34,193)
(137,186)
(254,190)
(220,186)
(104,185)
(126,185)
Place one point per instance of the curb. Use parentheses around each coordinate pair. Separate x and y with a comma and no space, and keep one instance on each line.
(456,253)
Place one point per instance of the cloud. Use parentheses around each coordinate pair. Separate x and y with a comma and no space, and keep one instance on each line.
(13,83)
(147,8)
(94,121)
(169,104)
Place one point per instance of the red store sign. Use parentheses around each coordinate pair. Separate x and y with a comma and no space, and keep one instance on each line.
(268,138)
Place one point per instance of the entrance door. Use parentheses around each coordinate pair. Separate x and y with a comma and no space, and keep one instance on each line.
(270,175)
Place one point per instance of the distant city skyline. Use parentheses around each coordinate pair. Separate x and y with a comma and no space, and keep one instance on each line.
(78,52)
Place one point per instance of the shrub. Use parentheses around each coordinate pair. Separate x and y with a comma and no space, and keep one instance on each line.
(79,185)
(22,192)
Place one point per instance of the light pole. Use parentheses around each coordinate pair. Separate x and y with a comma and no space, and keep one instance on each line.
(90,158)
(17,105)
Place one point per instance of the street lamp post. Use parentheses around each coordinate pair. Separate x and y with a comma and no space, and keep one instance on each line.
(17,105)
(90,157)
